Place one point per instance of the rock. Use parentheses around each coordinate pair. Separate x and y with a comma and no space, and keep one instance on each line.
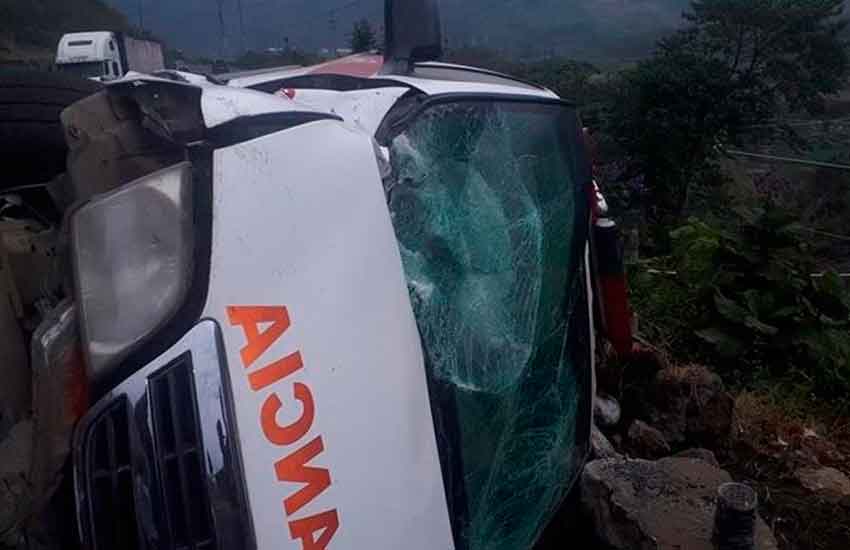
(829,484)
(822,450)
(606,411)
(15,486)
(691,406)
(647,442)
(600,447)
(663,505)
(700,454)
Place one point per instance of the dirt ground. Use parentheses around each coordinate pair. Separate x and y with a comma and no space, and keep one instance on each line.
(773,437)
(770,448)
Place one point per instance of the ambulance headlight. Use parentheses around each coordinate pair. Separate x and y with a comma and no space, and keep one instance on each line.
(132,251)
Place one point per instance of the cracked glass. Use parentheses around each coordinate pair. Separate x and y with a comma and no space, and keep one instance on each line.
(489,207)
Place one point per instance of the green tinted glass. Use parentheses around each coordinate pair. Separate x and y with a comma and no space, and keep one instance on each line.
(489,209)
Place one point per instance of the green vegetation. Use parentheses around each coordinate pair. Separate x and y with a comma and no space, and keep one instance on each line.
(363,37)
(738,63)
(746,298)
(32,28)
(570,79)
(740,276)
(729,280)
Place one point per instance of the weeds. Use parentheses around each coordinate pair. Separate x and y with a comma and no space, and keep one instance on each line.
(742,298)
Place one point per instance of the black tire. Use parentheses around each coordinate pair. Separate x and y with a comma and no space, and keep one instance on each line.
(32,142)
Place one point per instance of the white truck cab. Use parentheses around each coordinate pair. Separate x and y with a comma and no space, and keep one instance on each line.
(106,56)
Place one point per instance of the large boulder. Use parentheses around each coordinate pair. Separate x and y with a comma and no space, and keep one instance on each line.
(691,406)
(15,487)
(663,505)
(828,484)
(700,454)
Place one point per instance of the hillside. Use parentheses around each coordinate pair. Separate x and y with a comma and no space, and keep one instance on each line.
(528,28)
(581,29)
(30,29)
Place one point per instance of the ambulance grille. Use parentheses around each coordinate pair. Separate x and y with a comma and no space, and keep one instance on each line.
(157,464)
(179,457)
(113,512)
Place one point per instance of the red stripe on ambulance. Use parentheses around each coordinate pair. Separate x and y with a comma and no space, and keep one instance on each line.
(294,467)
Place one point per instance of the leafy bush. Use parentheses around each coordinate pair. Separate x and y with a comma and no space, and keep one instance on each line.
(42,22)
(727,69)
(746,296)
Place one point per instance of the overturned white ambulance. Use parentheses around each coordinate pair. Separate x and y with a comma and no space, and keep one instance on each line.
(348,306)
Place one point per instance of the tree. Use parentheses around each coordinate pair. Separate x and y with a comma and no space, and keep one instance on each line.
(363,37)
(738,62)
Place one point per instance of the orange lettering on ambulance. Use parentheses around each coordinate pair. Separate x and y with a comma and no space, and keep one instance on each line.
(306,529)
(275,372)
(288,435)
(294,469)
(314,532)
(248,317)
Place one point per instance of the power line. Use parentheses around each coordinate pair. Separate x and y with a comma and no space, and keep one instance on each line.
(333,11)
(241,28)
(332,27)
(799,123)
(244,6)
(267,2)
(221,27)
(787,160)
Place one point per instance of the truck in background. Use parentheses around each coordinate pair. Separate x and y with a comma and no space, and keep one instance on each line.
(105,55)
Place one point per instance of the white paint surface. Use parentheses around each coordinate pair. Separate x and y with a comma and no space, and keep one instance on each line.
(300,221)
(364,109)
(221,104)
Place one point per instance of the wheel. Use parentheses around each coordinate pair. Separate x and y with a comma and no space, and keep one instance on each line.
(32,142)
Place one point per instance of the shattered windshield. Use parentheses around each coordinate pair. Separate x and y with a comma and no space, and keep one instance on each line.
(487,202)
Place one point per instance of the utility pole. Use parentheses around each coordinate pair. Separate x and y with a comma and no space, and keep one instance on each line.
(241,28)
(221,28)
(141,16)
(332,26)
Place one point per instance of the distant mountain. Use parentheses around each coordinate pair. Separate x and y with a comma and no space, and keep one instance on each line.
(530,28)
(30,29)
(579,28)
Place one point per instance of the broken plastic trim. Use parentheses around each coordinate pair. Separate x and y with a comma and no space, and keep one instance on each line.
(171,111)
(325,81)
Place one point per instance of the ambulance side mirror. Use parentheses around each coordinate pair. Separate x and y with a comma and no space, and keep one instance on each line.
(413,33)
